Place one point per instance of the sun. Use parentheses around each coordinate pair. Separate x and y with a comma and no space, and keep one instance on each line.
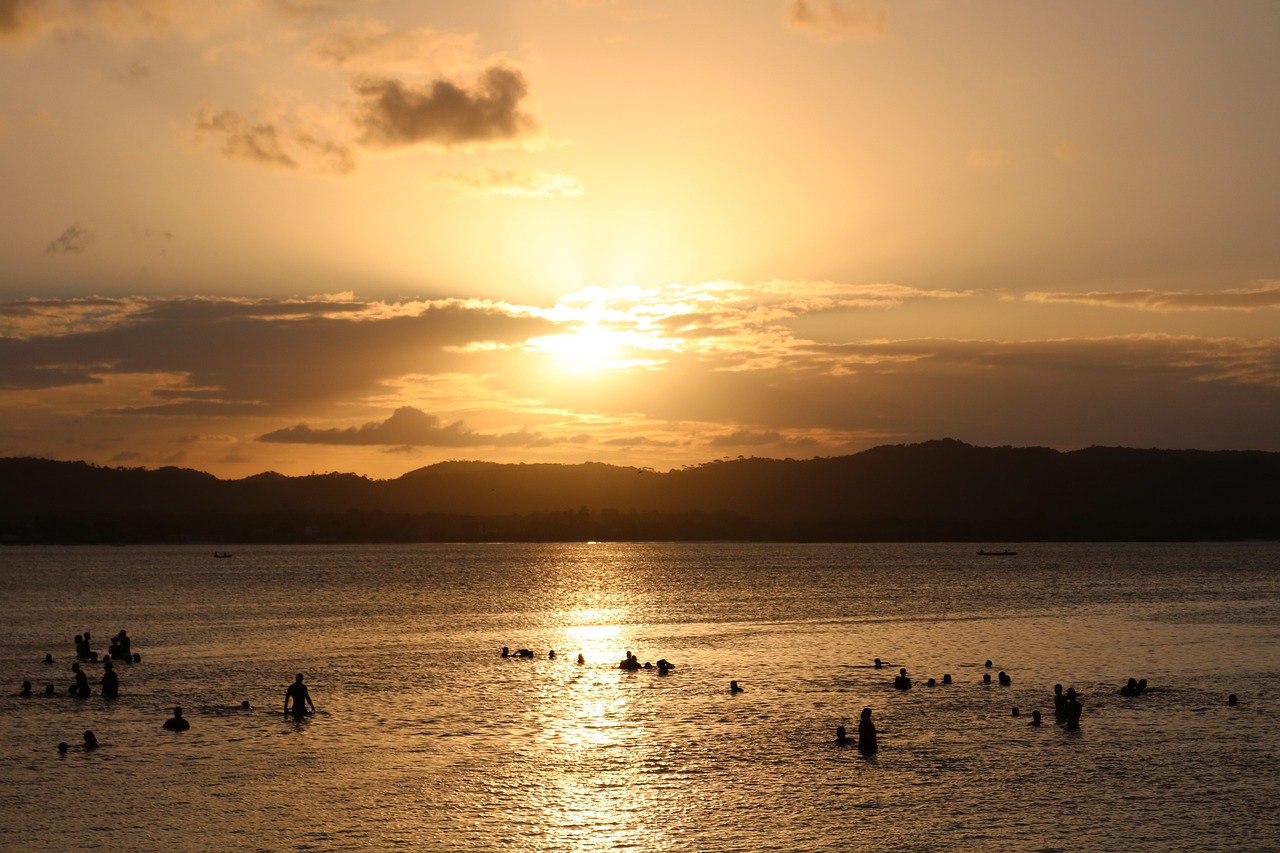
(587,349)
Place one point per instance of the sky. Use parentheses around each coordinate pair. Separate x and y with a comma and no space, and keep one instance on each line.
(371,235)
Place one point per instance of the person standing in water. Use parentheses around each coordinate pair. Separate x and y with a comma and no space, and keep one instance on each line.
(867,733)
(300,696)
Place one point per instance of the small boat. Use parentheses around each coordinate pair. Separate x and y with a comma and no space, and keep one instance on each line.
(221,554)
(1005,553)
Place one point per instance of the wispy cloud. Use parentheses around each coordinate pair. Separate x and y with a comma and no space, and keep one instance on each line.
(72,241)
(405,427)
(370,47)
(837,20)
(518,183)
(1264,296)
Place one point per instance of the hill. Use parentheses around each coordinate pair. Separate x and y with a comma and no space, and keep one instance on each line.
(942,490)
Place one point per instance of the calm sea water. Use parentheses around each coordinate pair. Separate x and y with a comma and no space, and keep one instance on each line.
(426,739)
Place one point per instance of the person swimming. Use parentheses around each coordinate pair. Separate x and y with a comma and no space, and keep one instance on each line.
(734,688)
(1005,680)
(581,659)
(1016,712)
(1232,700)
(987,664)
(664,666)
(931,683)
(1059,703)
(629,662)
(62,747)
(878,663)
(842,737)
(1035,719)
(946,678)
(26,689)
(902,682)
(49,689)
(1130,688)
(90,740)
(245,706)
(177,723)
(867,741)
(48,658)
(506,652)
(986,678)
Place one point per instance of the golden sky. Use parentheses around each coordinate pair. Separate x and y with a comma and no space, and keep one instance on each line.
(370,235)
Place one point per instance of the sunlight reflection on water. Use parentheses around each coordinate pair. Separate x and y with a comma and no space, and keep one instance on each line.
(428,739)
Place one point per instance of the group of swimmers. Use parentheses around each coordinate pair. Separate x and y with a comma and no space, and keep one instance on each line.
(297,698)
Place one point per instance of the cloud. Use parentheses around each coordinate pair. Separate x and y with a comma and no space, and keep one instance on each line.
(287,354)
(518,183)
(243,140)
(73,241)
(22,19)
(406,427)
(373,47)
(1245,299)
(266,144)
(837,20)
(444,113)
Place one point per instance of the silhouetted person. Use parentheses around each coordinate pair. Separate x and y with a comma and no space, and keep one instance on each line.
(506,652)
(62,747)
(629,663)
(902,682)
(245,706)
(48,658)
(878,663)
(177,723)
(1232,700)
(842,737)
(110,681)
(581,659)
(300,696)
(1059,703)
(1142,685)
(48,689)
(664,666)
(930,683)
(946,679)
(867,733)
(1005,680)
(122,646)
(734,688)
(1074,709)
(525,653)
(986,678)
(551,655)
(1035,719)
(26,689)
(988,664)
(1017,713)
(1130,689)
(90,741)
(81,687)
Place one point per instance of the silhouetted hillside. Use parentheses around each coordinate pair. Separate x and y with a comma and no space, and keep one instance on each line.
(939,490)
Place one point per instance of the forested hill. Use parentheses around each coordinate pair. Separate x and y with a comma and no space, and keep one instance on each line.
(939,490)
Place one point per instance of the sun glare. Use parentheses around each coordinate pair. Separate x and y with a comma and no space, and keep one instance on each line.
(585,350)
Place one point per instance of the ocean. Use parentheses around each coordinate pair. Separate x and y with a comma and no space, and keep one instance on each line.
(426,738)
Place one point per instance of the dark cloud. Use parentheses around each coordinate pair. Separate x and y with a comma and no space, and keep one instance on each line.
(443,113)
(20,18)
(72,241)
(406,427)
(262,357)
